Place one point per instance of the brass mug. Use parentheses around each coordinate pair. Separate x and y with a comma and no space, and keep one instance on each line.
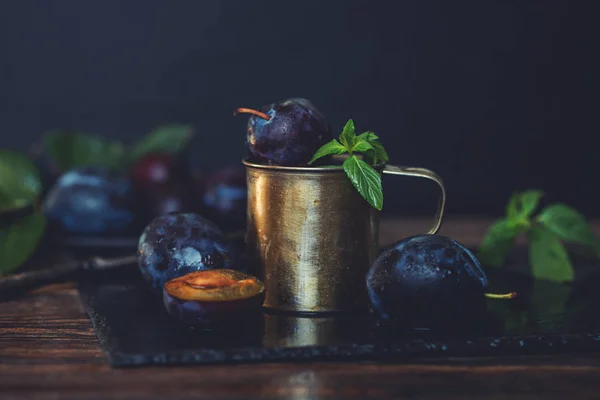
(313,237)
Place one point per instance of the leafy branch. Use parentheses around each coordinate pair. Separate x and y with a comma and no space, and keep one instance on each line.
(546,231)
(73,149)
(20,188)
(363,176)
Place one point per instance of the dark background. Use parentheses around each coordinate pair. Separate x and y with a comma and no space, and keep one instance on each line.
(495,96)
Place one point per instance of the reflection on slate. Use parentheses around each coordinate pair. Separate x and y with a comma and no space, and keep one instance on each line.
(134,330)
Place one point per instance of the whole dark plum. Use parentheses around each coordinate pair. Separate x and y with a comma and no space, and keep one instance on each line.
(286,133)
(427,281)
(225,197)
(91,200)
(176,244)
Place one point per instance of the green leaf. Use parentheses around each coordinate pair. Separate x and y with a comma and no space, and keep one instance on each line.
(522,205)
(20,183)
(568,224)
(333,147)
(512,208)
(529,202)
(19,241)
(348,135)
(368,136)
(362,146)
(164,139)
(70,149)
(548,257)
(497,243)
(377,153)
(380,153)
(366,180)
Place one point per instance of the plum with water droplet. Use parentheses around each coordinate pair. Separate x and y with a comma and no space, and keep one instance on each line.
(176,244)
(286,133)
(428,282)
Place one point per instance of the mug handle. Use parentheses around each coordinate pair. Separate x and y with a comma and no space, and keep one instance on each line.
(427,174)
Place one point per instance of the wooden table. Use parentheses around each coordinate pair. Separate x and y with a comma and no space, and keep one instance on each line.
(48,350)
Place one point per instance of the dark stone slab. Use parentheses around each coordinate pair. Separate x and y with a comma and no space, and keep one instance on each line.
(547,318)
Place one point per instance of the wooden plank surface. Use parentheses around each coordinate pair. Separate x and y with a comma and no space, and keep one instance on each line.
(48,350)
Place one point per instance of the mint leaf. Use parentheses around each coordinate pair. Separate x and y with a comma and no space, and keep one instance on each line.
(522,205)
(362,146)
(529,202)
(164,139)
(366,180)
(377,153)
(19,241)
(70,149)
(20,183)
(333,147)
(380,153)
(348,135)
(568,224)
(497,243)
(548,257)
(368,136)
(512,208)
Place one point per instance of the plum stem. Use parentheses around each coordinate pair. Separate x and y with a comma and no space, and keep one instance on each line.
(504,296)
(251,111)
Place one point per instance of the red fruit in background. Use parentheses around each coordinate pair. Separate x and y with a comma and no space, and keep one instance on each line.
(161,181)
(159,169)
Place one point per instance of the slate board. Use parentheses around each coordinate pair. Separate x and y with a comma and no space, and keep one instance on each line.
(134,330)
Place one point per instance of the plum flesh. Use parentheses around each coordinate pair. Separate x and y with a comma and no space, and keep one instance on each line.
(176,244)
(293,132)
(91,200)
(427,282)
(213,298)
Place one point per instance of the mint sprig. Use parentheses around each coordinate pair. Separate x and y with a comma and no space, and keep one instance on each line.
(20,240)
(365,178)
(546,231)
(20,183)
(20,188)
(68,149)
(164,139)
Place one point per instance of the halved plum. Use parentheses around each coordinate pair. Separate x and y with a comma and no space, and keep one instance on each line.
(213,298)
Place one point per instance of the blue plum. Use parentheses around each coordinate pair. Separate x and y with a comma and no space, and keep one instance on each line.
(176,244)
(427,281)
(286,133)
(224,197)
(91,201)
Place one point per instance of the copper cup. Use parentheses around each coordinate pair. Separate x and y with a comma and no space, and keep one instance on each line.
(313,237)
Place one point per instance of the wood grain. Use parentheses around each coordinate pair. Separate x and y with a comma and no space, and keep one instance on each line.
(48,350)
